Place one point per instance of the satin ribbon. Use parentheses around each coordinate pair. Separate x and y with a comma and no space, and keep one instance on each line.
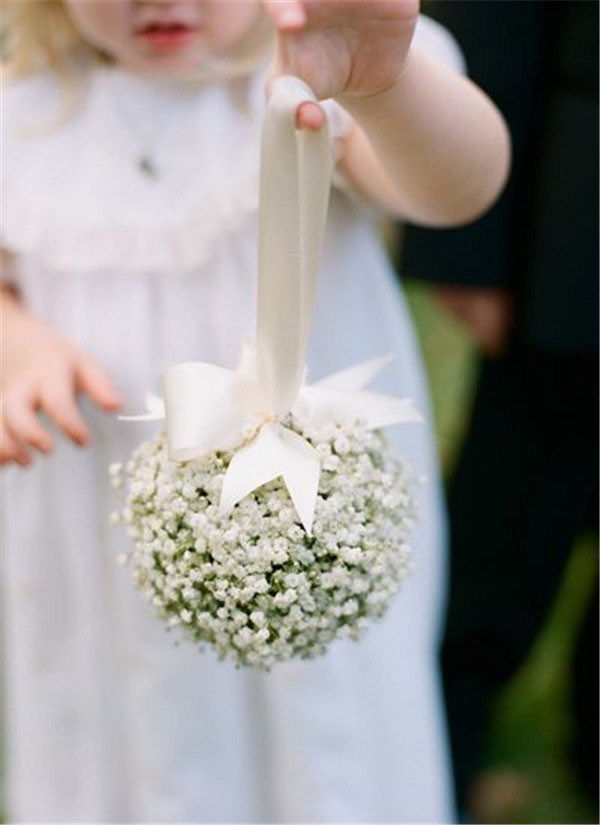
(208,407)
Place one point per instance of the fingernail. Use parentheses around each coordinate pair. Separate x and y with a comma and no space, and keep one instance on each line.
(309,115)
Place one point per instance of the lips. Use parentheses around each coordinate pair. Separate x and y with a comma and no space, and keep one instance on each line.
(166,34)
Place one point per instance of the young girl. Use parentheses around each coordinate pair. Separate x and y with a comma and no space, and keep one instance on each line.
(131,147)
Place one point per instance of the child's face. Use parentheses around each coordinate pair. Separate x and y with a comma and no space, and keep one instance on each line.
(168,37)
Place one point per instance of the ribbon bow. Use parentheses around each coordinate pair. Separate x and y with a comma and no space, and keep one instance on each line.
(208,407)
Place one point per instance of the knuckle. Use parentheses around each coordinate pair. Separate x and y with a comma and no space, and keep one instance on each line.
(53,405)
(9,405)
(35,439)
(6,453)
(68,419)
(60,408)
(15,404)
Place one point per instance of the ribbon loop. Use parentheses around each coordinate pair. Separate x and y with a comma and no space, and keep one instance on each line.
(294,193)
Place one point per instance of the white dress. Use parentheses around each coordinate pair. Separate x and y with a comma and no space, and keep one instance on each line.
(107,719)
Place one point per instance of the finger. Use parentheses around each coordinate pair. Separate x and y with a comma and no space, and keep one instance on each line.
(310,115)
(91,379)
(11,450)
(58,402)
(286,15)
(22,424)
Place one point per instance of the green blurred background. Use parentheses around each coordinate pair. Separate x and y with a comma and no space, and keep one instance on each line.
(526,776)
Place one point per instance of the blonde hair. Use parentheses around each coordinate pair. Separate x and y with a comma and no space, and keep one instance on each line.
(39,35)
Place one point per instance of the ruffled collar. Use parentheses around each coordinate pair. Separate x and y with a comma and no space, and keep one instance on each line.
(80,209)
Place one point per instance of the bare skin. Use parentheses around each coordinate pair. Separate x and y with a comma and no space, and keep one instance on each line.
(41,370)
(428,145)
(486,312)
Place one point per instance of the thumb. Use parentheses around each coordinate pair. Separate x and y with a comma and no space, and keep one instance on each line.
(309,114)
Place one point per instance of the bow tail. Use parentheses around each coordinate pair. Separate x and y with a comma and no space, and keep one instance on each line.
(276,451)
(321,403)
(355,378)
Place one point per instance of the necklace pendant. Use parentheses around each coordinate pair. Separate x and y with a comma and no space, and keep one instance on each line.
(147,167)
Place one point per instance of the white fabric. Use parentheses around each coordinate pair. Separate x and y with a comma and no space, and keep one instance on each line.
(107,719)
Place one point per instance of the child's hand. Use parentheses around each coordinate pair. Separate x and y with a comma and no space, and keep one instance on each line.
(342,48)
(43,371)
(428,145)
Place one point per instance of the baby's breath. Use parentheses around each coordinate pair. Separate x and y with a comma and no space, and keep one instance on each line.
(253,584)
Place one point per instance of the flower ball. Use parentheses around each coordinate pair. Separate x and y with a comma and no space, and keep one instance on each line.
(253,584)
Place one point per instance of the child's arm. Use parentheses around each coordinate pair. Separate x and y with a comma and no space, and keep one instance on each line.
(430,147)
(42,371)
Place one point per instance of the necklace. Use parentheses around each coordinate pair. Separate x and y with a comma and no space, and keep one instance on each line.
(146,153)
(148,167)
(143,134)
(145,148)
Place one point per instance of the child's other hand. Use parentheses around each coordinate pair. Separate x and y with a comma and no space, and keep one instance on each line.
(487,313)
(342,48)
(44,372)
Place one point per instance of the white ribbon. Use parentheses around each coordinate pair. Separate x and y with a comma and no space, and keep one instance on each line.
(208,407)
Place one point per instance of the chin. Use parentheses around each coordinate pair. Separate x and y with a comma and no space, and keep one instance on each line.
(168,66)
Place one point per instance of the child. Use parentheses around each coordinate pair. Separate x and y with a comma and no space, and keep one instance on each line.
(131,158)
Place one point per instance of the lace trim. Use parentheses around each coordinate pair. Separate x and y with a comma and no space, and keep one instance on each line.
(33,227)
(62,244)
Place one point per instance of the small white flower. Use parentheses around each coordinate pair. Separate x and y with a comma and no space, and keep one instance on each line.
(341,445)
(257,617)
